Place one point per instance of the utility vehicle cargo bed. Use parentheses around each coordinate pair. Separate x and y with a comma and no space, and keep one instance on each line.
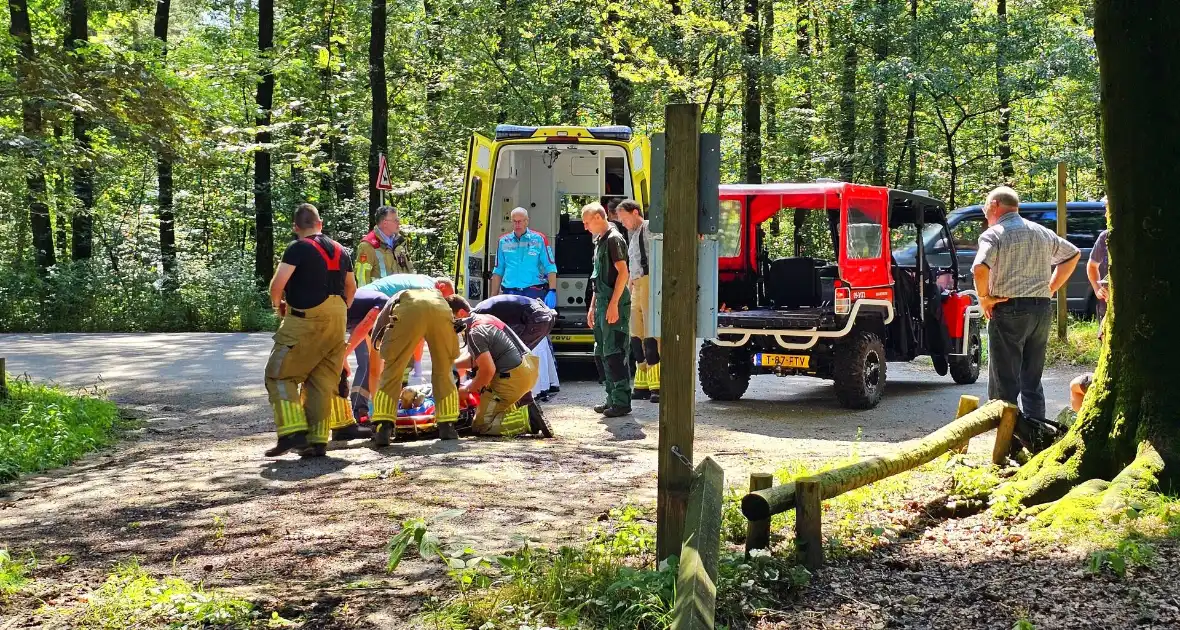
(771,319)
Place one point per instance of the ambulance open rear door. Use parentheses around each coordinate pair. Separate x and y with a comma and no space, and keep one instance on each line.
(471,273)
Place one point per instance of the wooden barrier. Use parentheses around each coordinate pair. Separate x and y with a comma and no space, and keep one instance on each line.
(696,578)
(807,494)
(758,532)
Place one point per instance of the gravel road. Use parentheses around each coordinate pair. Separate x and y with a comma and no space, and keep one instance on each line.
(289,527)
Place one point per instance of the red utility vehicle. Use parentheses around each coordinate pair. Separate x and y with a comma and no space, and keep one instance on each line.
(841,318)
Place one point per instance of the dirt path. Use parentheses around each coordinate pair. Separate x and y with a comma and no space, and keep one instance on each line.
(192,495)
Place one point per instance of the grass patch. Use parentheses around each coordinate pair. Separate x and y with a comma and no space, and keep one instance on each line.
(14,572)
(132,598)
(609,581)
(1080,347)
(43,427)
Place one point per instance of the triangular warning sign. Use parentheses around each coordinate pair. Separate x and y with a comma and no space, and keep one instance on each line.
(383,182)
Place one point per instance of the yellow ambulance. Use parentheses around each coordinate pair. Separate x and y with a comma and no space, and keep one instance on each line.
(551,172)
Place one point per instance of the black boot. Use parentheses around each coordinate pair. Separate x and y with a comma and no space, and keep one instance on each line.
(293,442)
(351,432)
(617,412)
(384,433)
(641,394)
(654,397)
(446,431)
(314,450)
(601,408)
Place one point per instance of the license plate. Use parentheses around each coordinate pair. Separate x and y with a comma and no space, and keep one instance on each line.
(801,361)
(571,338)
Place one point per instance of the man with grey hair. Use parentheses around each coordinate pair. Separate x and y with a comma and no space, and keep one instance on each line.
(1018,267)
(525,266)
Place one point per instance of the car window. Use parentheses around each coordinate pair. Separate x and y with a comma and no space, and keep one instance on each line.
(864,234)
(966,233)
(1083,228)
(729,229)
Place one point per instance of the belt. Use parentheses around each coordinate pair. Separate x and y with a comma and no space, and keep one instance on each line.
(1032,301)
(296,312)
(542,285)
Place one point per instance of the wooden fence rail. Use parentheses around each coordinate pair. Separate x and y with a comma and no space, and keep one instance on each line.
(700,551)
(806,494)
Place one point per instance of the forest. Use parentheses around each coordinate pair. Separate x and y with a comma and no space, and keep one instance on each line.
(153,152)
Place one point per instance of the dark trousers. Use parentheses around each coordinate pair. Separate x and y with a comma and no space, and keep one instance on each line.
(1018,334)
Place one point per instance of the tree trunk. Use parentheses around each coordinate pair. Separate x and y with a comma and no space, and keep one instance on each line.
(848,112)
(164,170)
(32,126)
(881,98)
(1131,408)
(1003,91)
(620,88)
(61,204)
(264,245)
(569,100)
(803,148)
(911,126)
(379,139)
(769,94)
(1099,166)
(434,89)
(83,224)
(752,97)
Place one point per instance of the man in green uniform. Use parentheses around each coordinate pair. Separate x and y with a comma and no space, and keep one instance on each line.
(610,306)
(408,318)
(303,371)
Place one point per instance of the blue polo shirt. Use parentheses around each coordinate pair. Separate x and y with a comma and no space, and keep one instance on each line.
(523,261)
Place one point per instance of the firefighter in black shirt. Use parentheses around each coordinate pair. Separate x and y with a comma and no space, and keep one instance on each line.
(303,371)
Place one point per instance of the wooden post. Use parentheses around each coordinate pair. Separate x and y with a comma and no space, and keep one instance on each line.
(678,324)
(3,381)
(809,539)
(758,532)
(1062,211)
(967,404)
(1004,435)
(696,577)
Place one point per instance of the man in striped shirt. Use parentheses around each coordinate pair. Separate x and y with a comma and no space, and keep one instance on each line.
(1018,267)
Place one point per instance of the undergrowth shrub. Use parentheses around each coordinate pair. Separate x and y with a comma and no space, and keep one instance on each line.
(132,598)
(43,427)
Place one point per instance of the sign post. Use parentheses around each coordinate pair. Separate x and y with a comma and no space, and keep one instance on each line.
(382,184)
(678,325)
(1062,307)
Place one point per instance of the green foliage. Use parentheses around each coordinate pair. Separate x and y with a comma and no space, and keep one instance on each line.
(1023,624)
(1129,552)
(974,482)
(132,598)
(14,572)
(1080,348)
(43,427)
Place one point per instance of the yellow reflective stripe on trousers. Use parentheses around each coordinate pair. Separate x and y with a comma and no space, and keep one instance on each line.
(641,376)
(341,414)
(653,377)
(384,407)
(515,421)
(289,417)
(447,409)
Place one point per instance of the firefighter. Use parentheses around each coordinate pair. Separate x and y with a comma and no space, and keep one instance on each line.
(645,347)
(609,312)
(377,293)
(505,372)
(383,250)
(408,318)
(302,373)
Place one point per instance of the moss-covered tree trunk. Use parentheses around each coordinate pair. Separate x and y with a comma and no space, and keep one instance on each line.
(1131,409)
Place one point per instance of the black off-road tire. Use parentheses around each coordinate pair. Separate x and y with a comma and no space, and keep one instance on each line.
(860,371)
(724,371)
(965,370)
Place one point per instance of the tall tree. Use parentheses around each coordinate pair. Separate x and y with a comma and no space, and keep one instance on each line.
(264,242)
(752,96)
(881,97)
(847,132)
(910,146)
(379,140)
(805,109)
(770,93)
(32,125)
(1128,431)
(1004,92)
(83,224)
(622,112)
(164,168)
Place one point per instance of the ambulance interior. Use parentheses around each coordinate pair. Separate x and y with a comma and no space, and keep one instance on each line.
(553,182)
